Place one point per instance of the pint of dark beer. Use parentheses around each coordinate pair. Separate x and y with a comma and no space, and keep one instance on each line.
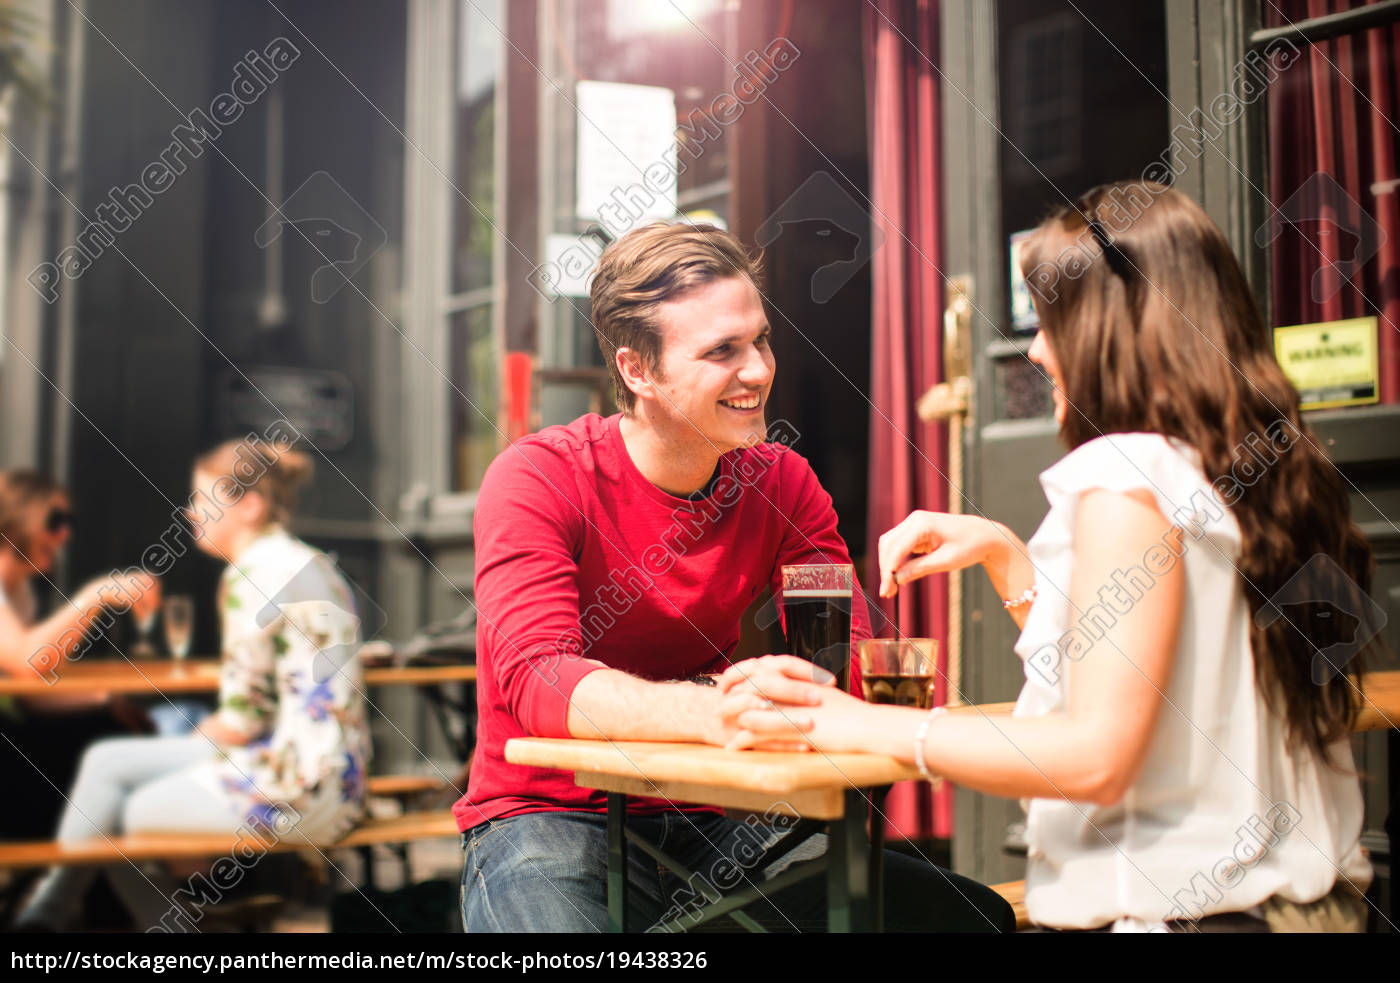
(817,616)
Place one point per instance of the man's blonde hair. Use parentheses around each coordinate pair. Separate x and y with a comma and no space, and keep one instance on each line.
(646,268)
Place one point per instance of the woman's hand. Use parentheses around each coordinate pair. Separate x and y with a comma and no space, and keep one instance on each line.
(838,722)
(220,733)
(932,542)
(137,591)
(764,684)
(142,589)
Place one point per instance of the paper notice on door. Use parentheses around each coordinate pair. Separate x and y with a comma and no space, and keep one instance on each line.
(627,165)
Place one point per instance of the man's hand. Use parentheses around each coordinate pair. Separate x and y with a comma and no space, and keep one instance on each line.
(608,704)
(778,686)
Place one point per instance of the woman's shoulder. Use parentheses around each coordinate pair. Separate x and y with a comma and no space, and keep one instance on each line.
(1168,468)
(1124,462)
(281,569)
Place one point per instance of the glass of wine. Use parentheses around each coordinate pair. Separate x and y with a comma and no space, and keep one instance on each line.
(179,626)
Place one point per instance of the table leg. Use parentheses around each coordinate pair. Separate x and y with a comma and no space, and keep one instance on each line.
(617,862)
(848,872)
(1392,819)
(877,858)
(462,745)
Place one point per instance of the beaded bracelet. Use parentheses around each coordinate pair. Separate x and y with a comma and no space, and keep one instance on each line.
(1026,597)
(919,742)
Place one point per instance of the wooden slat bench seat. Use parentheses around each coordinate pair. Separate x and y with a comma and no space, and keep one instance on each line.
(403,786)
(439,824)
(1014,893)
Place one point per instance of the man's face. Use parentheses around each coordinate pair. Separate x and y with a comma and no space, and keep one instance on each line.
(716,365)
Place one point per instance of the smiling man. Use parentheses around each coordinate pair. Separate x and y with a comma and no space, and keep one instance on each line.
(615,558)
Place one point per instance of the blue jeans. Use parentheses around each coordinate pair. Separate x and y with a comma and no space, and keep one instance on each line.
(547,872)
(178,718)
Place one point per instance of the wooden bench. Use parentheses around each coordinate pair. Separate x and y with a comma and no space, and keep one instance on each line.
(403,787)
(1014,893)
(439,824)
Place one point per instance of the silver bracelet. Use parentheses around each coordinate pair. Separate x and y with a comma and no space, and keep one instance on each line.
(1027,596)
(919,742)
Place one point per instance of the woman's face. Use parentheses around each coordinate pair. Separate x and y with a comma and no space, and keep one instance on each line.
(47,531)
(211,513)
(1041,355)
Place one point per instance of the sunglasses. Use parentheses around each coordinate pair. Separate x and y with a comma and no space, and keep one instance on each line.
(58,520)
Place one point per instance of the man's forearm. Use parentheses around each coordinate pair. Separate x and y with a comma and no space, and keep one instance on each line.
(611,704)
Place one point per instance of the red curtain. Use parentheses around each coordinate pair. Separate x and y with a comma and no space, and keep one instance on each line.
(908,457)
(1333,148)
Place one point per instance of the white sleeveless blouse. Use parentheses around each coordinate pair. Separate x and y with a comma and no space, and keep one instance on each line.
(1224,814)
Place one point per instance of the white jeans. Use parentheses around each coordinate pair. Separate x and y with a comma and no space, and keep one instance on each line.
(133,785)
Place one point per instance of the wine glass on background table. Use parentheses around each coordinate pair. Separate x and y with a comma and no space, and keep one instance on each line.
(145,625)
(179,627)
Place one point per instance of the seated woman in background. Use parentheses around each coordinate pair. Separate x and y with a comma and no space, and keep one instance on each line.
(45,735)
(1183,734)
(288,748)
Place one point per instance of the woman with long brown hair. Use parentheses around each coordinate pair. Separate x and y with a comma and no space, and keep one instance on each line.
(45,735)
(1183,731)
(287,751)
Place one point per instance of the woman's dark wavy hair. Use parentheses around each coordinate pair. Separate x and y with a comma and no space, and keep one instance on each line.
(1156,330)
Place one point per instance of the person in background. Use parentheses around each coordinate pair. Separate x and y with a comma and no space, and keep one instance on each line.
(1184,732)
(288,748)
(43,736)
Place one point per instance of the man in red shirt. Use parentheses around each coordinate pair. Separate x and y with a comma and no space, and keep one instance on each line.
(614,559)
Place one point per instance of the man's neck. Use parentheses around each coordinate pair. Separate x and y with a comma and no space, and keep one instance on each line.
(676,466)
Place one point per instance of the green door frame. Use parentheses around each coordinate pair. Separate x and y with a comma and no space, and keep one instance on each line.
(1225,169)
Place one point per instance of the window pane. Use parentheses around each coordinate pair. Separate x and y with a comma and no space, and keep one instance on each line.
(479,44)
(1334,228)
(1083,91)
(474,396)
(676,45)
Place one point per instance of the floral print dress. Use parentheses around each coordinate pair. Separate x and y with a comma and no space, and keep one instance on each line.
(292,676)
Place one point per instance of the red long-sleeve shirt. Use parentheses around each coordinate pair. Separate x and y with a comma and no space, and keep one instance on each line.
(583,564)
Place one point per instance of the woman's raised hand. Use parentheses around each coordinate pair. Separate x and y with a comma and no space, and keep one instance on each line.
(932,542)
(140,590)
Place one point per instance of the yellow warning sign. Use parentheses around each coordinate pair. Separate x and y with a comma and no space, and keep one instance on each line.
(1331,364)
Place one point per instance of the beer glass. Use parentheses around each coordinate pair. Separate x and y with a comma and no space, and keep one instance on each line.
(817,616)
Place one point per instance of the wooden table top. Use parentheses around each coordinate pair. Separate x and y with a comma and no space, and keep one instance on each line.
(796,783)
(1380,701)
(195,676)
